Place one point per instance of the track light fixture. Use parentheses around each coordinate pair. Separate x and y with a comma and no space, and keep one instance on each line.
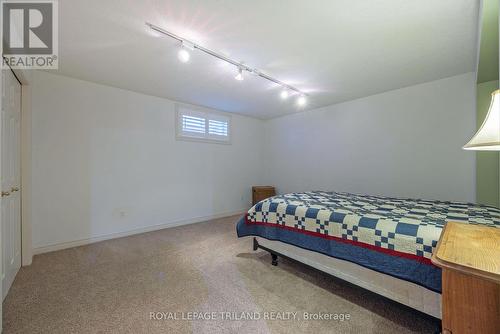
(183,53)
(301,100)
(184,56)
(239,76)
(284,94)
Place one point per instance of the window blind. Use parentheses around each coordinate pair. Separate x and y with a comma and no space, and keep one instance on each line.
(203,125)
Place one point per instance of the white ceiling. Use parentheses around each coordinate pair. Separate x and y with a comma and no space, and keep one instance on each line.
(335,50)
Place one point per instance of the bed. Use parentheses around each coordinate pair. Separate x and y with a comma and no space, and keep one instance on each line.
(379,243)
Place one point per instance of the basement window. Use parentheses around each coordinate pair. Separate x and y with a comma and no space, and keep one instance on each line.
(199,124)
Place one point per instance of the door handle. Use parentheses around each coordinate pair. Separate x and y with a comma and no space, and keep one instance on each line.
(14,189)
(5,193)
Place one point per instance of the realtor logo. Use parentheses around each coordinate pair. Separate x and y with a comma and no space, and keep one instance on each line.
(29,34)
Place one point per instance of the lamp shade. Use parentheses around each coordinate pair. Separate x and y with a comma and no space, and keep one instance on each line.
(487,138)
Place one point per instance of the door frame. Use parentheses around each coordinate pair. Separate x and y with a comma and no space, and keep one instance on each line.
(25,77)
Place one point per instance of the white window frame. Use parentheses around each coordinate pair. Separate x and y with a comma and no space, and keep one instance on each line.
(207,114)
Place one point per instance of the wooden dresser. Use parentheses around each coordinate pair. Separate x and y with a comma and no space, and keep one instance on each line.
(469,256)
(260,193)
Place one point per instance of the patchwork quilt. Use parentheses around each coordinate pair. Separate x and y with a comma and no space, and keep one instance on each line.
(389,235)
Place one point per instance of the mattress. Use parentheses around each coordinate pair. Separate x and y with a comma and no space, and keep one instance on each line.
(392,236)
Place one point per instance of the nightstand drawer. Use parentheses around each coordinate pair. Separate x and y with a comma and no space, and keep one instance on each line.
(260,193)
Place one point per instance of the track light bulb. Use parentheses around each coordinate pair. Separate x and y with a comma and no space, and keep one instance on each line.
(183,55)
(301,101)
(239,76)
(284,94)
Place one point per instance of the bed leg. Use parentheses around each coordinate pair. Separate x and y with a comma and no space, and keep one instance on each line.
(255,244)
(274,261)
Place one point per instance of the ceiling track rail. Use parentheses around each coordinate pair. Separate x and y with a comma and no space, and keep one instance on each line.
(222,57)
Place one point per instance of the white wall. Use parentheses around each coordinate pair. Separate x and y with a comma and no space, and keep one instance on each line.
(403,143)
(106,161)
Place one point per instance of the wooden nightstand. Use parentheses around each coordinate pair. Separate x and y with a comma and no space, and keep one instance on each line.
(260,193)
(469,256)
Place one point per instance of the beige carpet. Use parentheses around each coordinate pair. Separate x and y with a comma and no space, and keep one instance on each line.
(113,286)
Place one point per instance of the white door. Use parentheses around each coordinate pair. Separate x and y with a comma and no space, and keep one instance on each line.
(10,179)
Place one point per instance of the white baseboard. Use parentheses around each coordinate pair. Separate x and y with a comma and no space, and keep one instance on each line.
(81,242)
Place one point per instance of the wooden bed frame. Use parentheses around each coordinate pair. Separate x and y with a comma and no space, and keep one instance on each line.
(401,291)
